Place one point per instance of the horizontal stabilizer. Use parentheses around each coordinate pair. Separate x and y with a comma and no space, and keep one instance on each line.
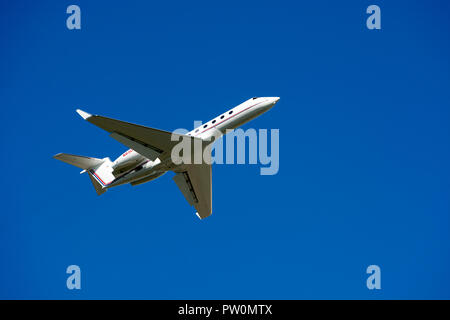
(100,170)
(82,162)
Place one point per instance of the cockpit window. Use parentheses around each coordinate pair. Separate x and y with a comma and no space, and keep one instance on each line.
(255,98)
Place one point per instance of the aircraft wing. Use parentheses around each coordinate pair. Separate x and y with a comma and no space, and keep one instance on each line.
(149,142)
(195,184)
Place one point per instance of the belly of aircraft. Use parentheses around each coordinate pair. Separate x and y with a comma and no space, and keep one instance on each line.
(135,177)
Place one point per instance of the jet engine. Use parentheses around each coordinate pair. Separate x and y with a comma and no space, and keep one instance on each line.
(127,160)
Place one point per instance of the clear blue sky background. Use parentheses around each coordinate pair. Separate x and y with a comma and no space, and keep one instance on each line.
(364,149)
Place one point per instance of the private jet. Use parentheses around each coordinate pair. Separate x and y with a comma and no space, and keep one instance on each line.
(150,153)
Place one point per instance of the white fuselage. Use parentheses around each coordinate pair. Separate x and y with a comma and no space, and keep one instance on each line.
(135,168)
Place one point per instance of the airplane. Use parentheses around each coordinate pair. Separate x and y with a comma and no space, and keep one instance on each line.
(149,156)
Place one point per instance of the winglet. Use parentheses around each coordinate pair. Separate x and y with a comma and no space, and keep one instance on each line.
(83,114)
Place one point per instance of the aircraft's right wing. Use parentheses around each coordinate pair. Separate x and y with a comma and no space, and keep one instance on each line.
(148,142)
(195,184)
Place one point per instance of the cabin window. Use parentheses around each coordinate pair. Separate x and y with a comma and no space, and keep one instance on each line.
(222,117)
(230,112)
(214,121)
(205,126)
(196,131)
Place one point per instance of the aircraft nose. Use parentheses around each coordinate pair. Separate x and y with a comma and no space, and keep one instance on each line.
(275,99)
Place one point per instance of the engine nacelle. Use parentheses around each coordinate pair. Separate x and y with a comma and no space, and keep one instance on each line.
(127,159)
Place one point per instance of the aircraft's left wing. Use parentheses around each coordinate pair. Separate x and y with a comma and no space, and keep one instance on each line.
(149,142)
(195,184)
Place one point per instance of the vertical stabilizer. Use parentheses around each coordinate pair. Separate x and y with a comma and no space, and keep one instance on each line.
(98,188)
(103,174)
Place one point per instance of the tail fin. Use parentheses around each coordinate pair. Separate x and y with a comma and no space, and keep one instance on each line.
(100,170)
(103,174)
(98,187)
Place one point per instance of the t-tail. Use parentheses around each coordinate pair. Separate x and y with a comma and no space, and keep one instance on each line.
(100,170)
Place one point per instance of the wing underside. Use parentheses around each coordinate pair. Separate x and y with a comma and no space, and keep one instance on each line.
(195,184)
(149,142)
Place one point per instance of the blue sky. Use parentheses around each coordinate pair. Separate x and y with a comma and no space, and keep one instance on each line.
(364,149)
